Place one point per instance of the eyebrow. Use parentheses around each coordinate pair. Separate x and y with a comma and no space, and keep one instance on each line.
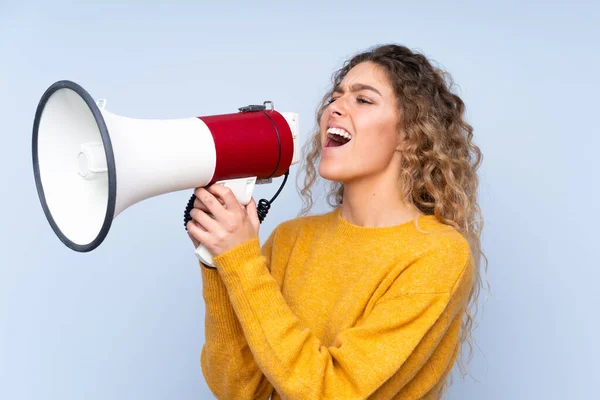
(357,87)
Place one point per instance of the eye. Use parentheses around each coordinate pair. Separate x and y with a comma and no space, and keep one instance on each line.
(331,100)
(362,100)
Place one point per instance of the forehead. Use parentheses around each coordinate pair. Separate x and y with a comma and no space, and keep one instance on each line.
(368,73)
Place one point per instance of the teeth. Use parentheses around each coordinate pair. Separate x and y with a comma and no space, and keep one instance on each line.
(339,131)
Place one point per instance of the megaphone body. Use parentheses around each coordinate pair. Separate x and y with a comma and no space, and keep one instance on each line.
(90,164)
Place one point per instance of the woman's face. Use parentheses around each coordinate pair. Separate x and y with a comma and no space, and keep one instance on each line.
(365,110)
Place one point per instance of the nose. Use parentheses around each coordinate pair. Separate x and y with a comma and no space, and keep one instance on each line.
(337,108)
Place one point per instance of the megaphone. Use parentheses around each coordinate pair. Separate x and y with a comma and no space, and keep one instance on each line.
(90,165)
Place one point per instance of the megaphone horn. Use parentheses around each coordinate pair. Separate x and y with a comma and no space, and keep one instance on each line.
(90,164)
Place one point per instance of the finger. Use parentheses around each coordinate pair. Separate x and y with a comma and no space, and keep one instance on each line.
(205,221)
(197,233)
(199,204)
(212,204)
(195,241)
(253,214)
(226,195)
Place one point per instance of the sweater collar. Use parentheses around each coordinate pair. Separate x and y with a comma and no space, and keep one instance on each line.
(350,230)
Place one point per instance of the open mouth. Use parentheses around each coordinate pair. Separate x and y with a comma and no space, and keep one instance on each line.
(337,137)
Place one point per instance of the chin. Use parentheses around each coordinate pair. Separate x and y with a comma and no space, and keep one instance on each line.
(333,174)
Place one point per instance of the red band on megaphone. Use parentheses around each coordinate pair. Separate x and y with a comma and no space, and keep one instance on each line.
(247,144)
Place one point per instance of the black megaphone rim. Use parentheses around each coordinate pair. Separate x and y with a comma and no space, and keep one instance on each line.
(110,162)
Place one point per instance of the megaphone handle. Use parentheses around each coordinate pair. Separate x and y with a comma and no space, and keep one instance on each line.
(204,256)
(242,188)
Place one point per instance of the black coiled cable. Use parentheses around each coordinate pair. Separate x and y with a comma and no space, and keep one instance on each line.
(262,208)
(186,214)
(264,205)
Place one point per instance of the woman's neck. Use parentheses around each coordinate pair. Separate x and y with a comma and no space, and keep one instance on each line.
(376,202)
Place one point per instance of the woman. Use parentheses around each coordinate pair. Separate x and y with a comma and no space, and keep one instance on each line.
(371,300)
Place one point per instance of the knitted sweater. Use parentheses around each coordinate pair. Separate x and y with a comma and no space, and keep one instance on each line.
(331,310)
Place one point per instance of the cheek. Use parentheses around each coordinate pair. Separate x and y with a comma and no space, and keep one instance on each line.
(380,142)
(376,155)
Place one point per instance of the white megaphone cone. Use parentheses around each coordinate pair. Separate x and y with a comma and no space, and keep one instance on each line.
(90,165)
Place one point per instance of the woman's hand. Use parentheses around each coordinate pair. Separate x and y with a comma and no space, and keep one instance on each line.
(219,221)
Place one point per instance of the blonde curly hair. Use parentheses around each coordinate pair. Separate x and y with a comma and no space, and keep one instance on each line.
(440,161)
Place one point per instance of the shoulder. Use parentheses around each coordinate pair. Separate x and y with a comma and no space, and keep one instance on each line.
(440,260)
(439,240)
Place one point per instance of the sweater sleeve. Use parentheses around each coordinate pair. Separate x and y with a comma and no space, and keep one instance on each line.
(360,359)
(226,360)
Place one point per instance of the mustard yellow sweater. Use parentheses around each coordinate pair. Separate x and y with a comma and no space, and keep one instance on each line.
(331,310)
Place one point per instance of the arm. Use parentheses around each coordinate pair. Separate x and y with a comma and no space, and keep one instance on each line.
(362,358)
(227,362)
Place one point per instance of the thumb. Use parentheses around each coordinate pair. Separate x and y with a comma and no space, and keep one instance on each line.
(194,241)
(253,214)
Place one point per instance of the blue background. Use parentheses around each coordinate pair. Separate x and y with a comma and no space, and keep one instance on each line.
(126,321)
